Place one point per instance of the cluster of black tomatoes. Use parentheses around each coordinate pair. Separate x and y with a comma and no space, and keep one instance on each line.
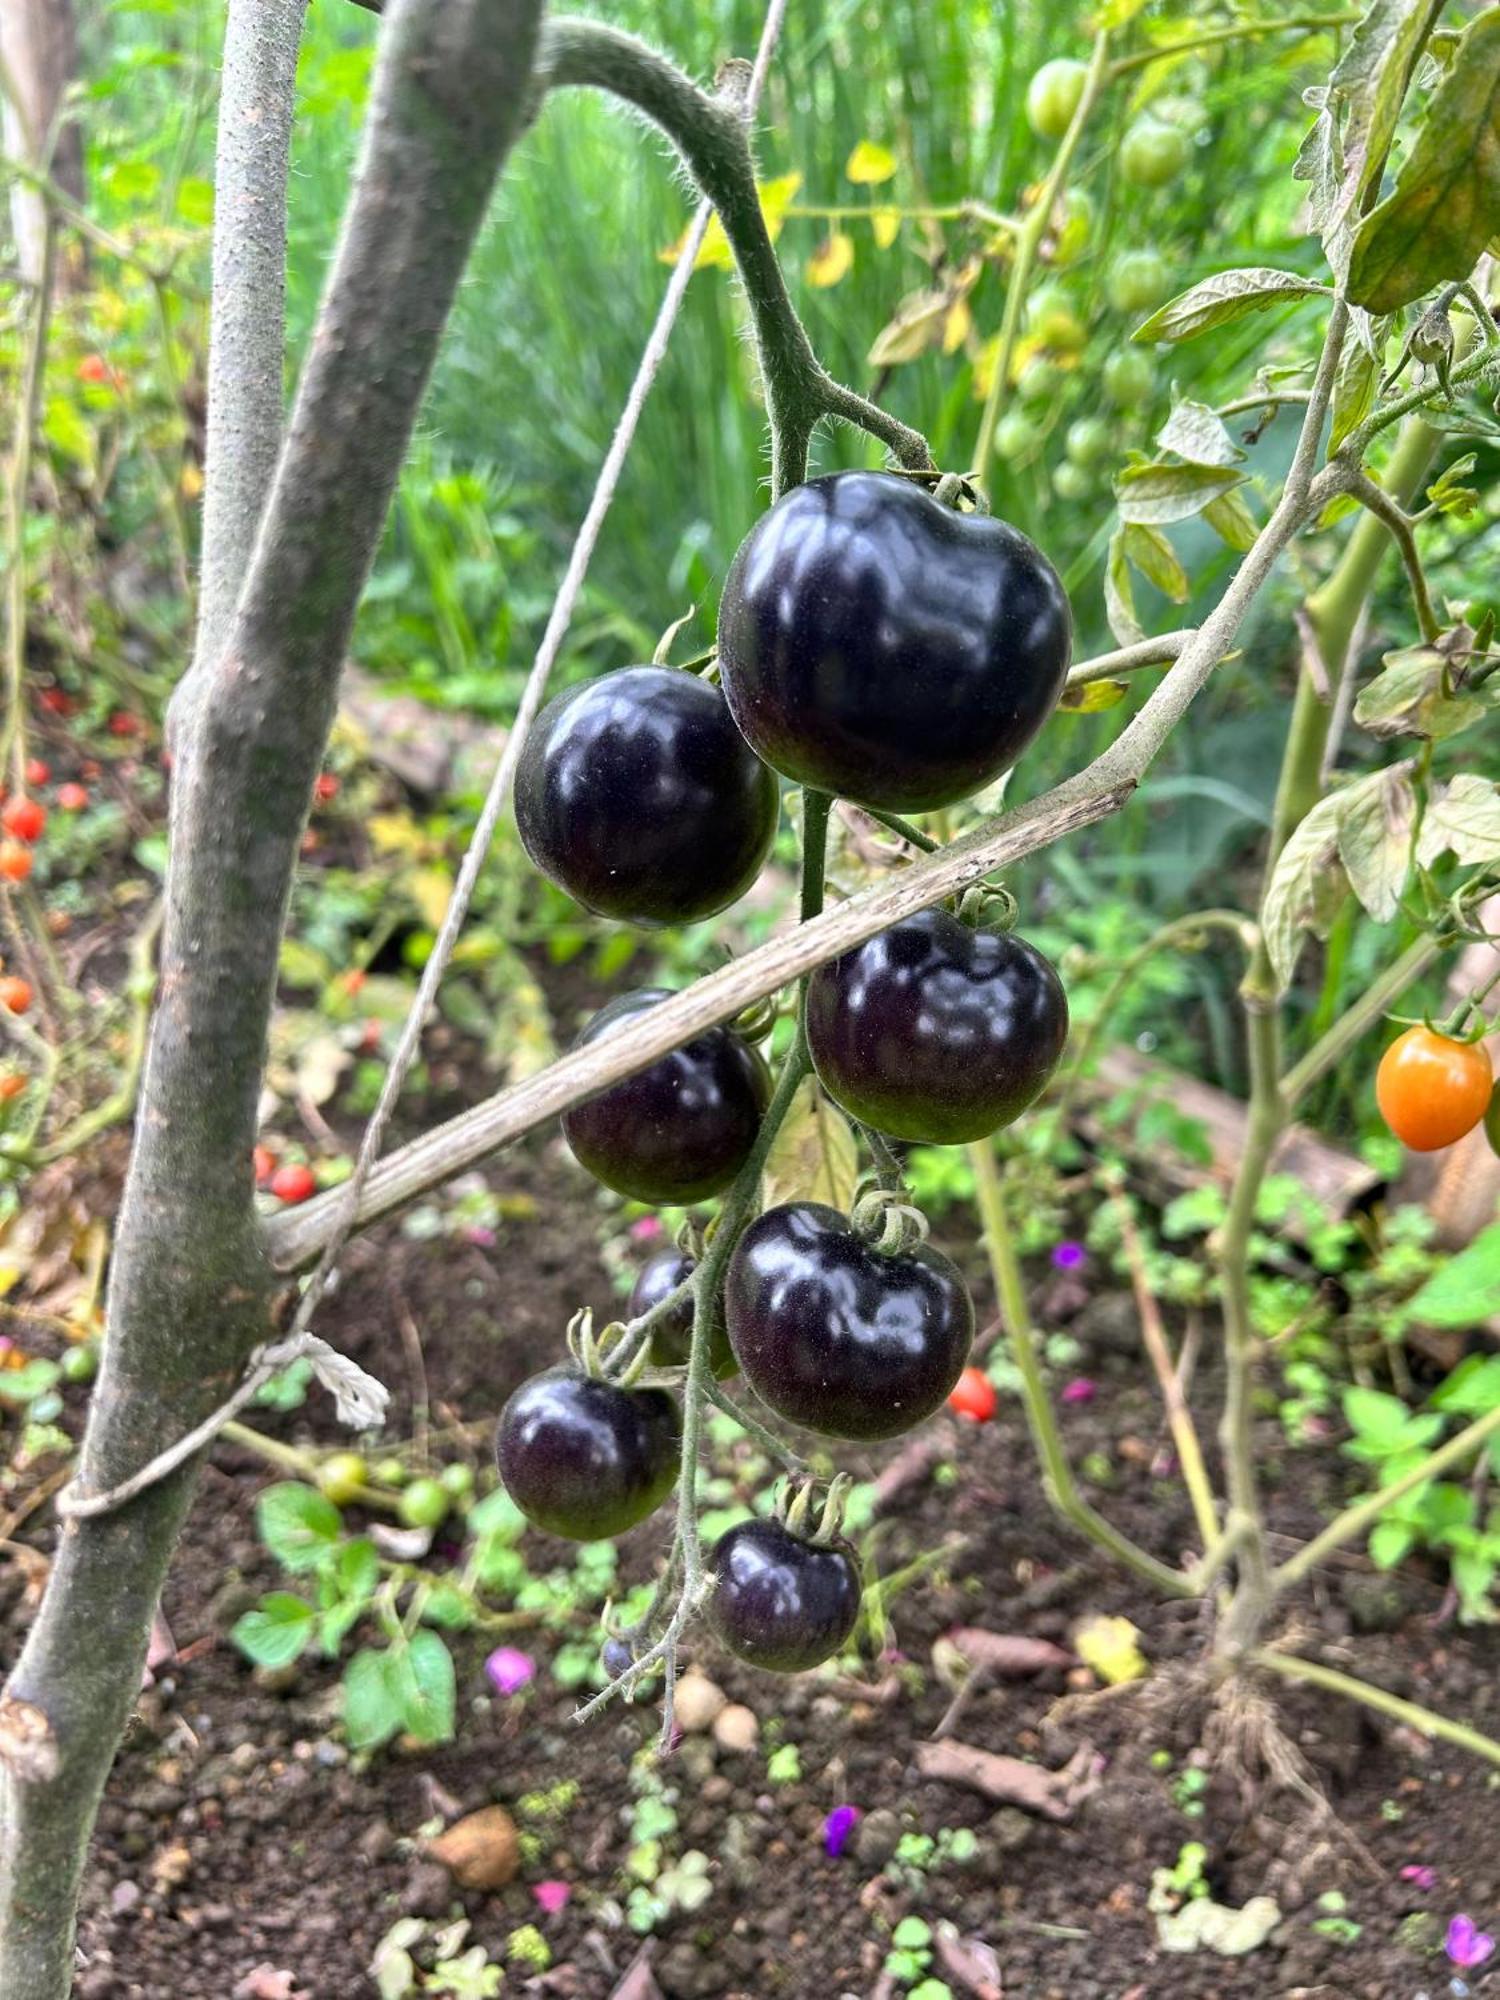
(876,645)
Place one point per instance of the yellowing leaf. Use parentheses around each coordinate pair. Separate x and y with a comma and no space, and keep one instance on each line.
(1093,696)
(833,259)
(814,1157)
(918,323)
(869,164)
(1111,1646)
(886,223)
(957,326)
(716,255)
(431,890)
(395,833)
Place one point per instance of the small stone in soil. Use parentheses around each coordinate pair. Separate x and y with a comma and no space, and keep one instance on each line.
(480,1851)
(876,1840)
(736,1729)
(697,1703)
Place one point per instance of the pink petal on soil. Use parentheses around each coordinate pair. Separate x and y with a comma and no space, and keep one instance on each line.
(837,1828)
(553,1896)
(1466,1944)
(1080,1390)
(1420,1876)
(1068,1256)
(509,1670)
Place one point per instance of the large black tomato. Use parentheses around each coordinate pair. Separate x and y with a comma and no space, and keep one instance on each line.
(779,1601)
(680,1130)
(935,1032)
(637,794)
(586,1459)
(837,1337)
(878,645)
(672,1337)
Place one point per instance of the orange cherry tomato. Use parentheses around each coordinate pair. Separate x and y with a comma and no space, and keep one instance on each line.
(264,1162)
(15,993)
(11,1086)
(72,798)
(973,1395)
(16,860)
(23,817)
(325,787)
(1432,1090)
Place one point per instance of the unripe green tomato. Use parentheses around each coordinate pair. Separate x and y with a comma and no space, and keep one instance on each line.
(1089,440)
(80,1364)
(424,1504)
(1151,153)
(390,1472)
(1075,227)
(1128,377)
(1138,281)
(1041,381)
(1492,1121)
(342,1477)
(1053,95)
(1015,435)
(457,1480)
(1071,482)
(1050,315)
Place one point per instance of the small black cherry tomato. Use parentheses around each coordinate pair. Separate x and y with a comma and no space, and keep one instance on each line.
(779,1601)
(587,1459)
(671,1338)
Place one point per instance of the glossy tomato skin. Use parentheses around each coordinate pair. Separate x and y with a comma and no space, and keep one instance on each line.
(672,1337)
(586,1459)
(780,1602)
(934,1032)
(636,793)
(680,1130)
(1053,95)
(1431,1089)
(974,1396)
(1153,153)
(879,646)
(836,1337)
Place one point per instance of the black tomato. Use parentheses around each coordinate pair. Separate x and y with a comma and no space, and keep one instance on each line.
(637,794)
(586,1459)
(680,1130)
(876,644)
(935,1032)
(837,1337)
(779,1601)
(672,1337)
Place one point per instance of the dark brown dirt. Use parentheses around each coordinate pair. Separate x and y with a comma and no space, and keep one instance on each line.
(239,1841)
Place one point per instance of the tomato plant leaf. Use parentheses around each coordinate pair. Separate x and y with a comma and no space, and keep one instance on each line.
(1353,392)
(1437,219)
(1375,833)
(832,261)
(1119,594)
(870,164)
(298,1525)
(1227,296)
(1462,819)
(1157,560)
(1155,495)
(814,1156)
(1231,520)
(1197,433)
(917,325)
(1309,881)
(1093,697)
(1412,695)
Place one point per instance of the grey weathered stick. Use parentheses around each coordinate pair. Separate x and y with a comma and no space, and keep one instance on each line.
(247,325)
(190,1283)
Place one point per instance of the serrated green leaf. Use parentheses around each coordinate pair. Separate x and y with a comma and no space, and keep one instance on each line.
(1153,496)
(1157,560)
(1226,296)
(276,1632)
(1409,697)
(1119,595)
(1462,819)
(1308,884)
(298,1525)
(1353,393)
(1436,221)
(1231,520)
(1197,433)
(1375,835)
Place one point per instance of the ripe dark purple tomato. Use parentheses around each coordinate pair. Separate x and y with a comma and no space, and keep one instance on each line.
(672,1337)
(835,1336)
(779,1601)
(636,793)
(680,1130)
(935,1032)
(880,646)
(587,1459)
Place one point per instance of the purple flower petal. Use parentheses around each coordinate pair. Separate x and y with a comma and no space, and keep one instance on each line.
(509,1670)
(1420,1876)
(837,1828)
(1068,1256)
(1466,1944)
(553,1896)
(1080,1390)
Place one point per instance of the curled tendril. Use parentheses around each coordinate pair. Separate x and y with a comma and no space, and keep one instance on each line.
(889,1222)
(796,1501)
(993,906)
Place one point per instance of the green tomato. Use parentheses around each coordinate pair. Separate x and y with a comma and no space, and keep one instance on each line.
(1075,228)
(1138,281)
(1071,482)
(457,1480)
(1053,95)
(1015,436)
(424,1504)
(80,1364)
(390,1472)
(1041,382)
(1050,315)
(342,1477)
(1089,440)
(1151,153)
(1128,378)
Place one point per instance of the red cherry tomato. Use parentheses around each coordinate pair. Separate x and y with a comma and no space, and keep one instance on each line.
(325,787)
(23,817)
(264,1162)
(293,1183)
(37,773)
(123,723)
(973,1396)
(1431,1089)
(72,798)
(56,701)
(15,993)
(16,860)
